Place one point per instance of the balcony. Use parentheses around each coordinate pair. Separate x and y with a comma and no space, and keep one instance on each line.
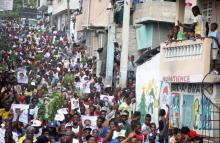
(155,11)
(187,61)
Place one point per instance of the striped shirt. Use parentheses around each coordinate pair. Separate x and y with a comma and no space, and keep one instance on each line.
(119,4)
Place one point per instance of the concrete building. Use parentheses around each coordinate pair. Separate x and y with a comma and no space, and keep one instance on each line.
(91,26)
(44,7)
(59,12)
(186,64)
(186,83)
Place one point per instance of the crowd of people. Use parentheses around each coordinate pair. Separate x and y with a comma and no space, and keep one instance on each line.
(51,94)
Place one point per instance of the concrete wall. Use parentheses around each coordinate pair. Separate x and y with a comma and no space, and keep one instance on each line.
(60,5)
(160,33)
(132,40)
(156,11)
(99,14)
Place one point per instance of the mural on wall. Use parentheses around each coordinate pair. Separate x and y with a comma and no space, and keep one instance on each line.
(147,88)
(148,100)
(165,94)
(206,116)
(175,111)
(192,99)
(197,123)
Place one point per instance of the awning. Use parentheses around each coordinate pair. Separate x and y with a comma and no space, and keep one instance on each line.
(147,55)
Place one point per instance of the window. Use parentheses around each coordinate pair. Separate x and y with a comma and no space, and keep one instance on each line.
(207,10)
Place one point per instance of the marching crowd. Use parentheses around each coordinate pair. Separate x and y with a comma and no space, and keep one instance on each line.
(58,98)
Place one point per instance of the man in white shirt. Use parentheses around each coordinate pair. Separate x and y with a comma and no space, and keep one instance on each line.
(198,25)
(131,68)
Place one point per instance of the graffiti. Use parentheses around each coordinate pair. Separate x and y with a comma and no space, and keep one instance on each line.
(150,96)
(209,89)
(206,116)
(197,112)
(165,94)
(188,88)
(175,111)
(148,99)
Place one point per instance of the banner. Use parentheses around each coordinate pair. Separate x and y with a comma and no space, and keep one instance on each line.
(147,88)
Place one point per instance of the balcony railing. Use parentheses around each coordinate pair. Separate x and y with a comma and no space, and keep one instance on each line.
(187,61)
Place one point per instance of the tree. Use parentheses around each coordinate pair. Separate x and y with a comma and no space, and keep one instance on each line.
(142,107)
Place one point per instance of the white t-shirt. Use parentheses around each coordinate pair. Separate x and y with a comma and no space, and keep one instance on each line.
(199,29)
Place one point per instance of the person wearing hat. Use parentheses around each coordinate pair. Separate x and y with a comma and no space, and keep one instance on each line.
(52,130)
(86,133)
(37,124)
(124,119)
(126,106)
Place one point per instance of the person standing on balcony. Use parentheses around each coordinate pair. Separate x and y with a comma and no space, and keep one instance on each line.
(119,10)
(214,34)
(198,25)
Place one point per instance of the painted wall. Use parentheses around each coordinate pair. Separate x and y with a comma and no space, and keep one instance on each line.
(160,33)
(188,54)
(144,35)
(189,110)
(99,15)
(61,5)
(147,88)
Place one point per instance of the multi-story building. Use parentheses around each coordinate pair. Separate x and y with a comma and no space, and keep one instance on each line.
(44,7)
(60,14)
(186,64)
(91,27)
(180,75)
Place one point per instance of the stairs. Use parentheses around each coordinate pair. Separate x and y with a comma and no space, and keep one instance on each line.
(210,126)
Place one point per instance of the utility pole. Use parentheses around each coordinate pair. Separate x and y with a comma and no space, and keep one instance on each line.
(125,43)
(68,17)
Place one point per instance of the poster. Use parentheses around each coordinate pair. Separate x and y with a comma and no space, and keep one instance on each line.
(23,108)
(93,120)
(74,103)
(147,88)
(22,76)
(107,99)
(2,136)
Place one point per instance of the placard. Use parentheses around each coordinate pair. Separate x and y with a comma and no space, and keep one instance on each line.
(22,76)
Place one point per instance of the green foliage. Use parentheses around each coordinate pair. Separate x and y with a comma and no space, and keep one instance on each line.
(39,57)
(68,81)
(55,104)
(41,112)
(6,46)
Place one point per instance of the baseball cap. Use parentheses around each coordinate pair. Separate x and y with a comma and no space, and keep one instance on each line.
(36,123)
(124,113)
(52,124)
(87,128)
